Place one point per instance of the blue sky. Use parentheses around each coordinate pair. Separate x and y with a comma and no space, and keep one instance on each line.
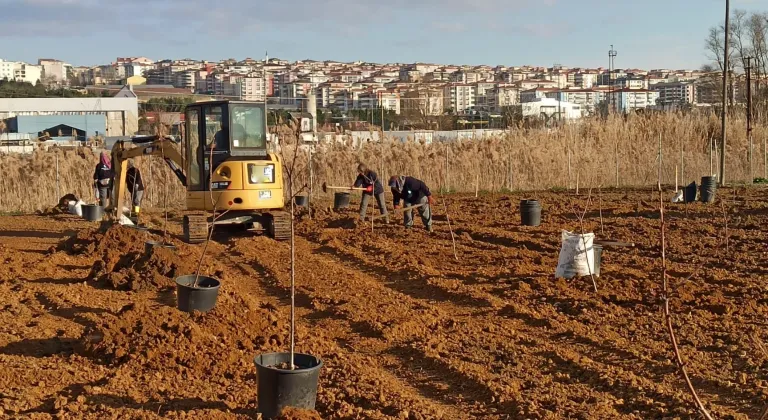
(648,34)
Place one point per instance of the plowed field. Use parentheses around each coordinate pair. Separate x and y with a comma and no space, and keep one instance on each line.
(89,329)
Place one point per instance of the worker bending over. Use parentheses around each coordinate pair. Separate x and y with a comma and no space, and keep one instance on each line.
(369,180)
(413,192)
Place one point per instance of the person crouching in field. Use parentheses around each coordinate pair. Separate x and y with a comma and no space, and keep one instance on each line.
(369,180)
(413,192)
(135,186)
(103,179)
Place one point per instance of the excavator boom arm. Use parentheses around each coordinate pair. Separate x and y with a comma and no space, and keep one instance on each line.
(152,146)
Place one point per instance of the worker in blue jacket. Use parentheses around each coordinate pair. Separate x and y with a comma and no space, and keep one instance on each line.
(412,192)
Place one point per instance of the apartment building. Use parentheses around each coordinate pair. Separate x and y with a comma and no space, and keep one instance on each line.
(56,70)
(627,100)
(676,93)
(251,88)
(387,99)
(459,97)
(7,69)
(585,80)
(28,73)
(503,96)
(427,101)
(588,99)
(531,95)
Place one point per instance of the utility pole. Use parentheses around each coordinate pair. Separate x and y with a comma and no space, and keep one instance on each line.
(611,57)
(748,69)
(725,89)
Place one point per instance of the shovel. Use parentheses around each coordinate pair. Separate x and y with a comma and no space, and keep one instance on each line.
(327,187)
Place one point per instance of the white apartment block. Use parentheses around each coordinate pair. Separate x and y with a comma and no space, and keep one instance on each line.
(676,93)
(502,97)
(628,100)
(588,99)
(20,71)
(7,69)
(459,97)
(251,88)
(585,80)
(28,73)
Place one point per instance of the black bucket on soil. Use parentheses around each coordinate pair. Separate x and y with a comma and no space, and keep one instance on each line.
(708,189)
(301,200)
(530,213)
(201,298)
(280,388)
(92,212)
(341,200)
(598,251)
(148,245)
(689,193)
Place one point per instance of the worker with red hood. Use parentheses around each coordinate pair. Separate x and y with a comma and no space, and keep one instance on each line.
(103,179)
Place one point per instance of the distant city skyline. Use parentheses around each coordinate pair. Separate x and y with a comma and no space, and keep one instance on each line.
(655,34)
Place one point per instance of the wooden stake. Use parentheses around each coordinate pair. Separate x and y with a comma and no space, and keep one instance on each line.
(676,184)
(477,185)
(577,182)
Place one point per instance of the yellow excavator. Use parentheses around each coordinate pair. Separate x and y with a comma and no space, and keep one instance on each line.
(246,183)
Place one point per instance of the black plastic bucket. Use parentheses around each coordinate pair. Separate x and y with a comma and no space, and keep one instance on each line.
(201,298)
(148,245)
(341,200)
(281,388)
(92,212)
(708,189)
(301,200)
(689,193)
(598,251)
(530,213)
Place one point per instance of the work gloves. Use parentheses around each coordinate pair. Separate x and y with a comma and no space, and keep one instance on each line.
(430,200)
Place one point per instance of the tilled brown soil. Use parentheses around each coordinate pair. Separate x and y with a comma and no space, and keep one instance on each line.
(88,326)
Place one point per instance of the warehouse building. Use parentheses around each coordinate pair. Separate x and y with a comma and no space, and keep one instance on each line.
(109,116)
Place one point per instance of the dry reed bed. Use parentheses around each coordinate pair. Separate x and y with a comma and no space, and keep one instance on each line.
(522,160)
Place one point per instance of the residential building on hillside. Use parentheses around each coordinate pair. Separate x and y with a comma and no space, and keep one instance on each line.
(627,100)
(459,98)
(586,80)
(251,88)
(427,102)
(7,69)
(28,73)
(551,108)
(588,99)
(676,93)
(503,96)
(55,70)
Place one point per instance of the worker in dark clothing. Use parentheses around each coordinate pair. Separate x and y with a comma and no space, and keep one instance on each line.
(103,178)
(413,192)
(369,180)
(135,186)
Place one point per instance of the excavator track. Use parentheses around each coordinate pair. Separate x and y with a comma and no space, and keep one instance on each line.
(279,225)
(195,228)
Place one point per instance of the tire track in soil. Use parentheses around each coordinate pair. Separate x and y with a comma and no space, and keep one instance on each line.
(358,355)
(660,372)
(495,387)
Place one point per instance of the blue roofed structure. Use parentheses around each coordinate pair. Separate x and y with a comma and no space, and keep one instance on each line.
(83,126)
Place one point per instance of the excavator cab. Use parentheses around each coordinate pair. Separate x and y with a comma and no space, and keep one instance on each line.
(225,166)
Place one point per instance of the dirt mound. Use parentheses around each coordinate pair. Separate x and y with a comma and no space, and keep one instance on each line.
(220,344)
(108,237)
(136,271)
